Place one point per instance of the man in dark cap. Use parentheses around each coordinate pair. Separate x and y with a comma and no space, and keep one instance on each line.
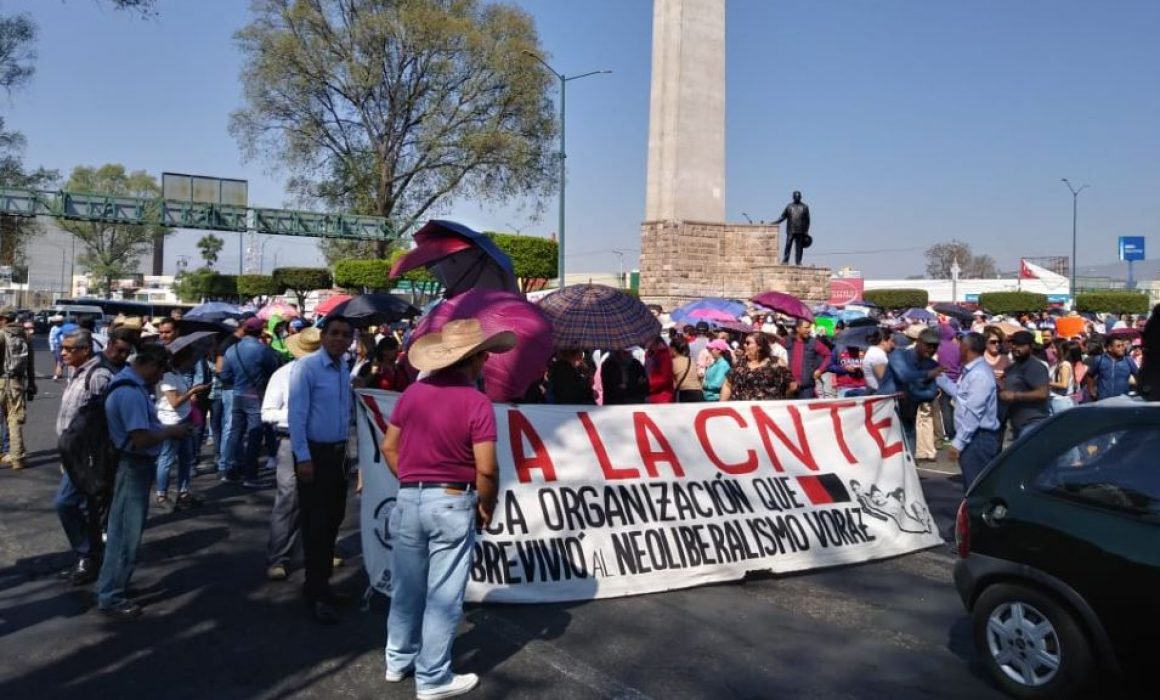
(1026,392)
(247,366)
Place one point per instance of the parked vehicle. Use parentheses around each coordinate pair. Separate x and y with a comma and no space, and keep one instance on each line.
(1059,540)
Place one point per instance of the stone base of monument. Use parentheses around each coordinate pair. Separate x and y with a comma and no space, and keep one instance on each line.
(681,261)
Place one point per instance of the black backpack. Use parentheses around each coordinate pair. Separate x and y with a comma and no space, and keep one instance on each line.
(86,450)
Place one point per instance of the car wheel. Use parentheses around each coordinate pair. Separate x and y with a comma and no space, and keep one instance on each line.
(1031,645)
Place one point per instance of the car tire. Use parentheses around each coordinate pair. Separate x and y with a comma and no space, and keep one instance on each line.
(1018,630)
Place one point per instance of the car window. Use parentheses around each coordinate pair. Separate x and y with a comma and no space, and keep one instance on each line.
(1115,470)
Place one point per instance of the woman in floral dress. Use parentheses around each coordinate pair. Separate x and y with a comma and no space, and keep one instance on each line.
(757,377)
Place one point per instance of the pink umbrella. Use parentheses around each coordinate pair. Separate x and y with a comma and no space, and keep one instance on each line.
(506,377)
(705,314)
(278,308)
(784,303)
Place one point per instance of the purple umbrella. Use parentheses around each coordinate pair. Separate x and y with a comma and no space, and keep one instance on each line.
(784,303)
(507,376)
(459,257)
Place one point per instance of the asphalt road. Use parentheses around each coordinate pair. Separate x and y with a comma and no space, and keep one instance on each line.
(214,627)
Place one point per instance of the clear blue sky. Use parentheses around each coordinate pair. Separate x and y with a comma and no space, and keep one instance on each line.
(904,122)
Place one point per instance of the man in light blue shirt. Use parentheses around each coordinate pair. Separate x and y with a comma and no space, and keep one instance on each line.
(977,438)
(135,430)
(320,403)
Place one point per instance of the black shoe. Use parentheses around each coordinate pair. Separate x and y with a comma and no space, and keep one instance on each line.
(85,571)
(124,611)
(323,612)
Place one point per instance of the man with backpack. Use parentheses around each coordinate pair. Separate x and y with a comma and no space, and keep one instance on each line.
(81,509)
(247,366)
(17,384)
(137,434)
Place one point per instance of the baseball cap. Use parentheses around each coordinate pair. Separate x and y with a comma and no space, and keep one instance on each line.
(928,336)
(253,325)
(1022,338)
(702,327)
(7,312)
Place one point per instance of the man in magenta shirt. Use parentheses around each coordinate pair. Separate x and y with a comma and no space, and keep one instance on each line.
(440,443)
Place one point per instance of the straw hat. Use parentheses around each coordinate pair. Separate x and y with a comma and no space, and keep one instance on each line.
(457,340)
(304,343)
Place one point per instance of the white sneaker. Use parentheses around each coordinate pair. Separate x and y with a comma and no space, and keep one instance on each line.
(396,676)
(460,684)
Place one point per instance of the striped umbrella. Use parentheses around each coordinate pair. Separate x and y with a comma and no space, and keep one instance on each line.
(593,316)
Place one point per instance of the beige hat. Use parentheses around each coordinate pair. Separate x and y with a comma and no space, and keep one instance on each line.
(304,343)
(457,340)
(914,330)
(133,323)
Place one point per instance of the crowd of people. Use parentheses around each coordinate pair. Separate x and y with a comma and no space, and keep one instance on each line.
(276,396)
(967,386)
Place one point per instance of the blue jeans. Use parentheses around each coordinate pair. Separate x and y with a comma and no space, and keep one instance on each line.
(244,437)
(72,508)
(982,448)
(126,523)
(179,451)
(852,392)
(433,533)
(223,409)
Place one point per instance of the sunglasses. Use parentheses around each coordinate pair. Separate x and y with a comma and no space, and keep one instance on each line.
(992,342)
(68,348)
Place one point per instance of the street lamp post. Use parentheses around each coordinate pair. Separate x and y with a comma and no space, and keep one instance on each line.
(1074,211)
(564,80)
(747,217)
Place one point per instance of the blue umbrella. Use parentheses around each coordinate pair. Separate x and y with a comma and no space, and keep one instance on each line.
(459,257)
(851,314)
(688,312)
(214,312)
(919,315)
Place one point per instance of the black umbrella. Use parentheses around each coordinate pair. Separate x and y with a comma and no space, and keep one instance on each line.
(855,337)
(954,311)
(374,309)
(864,322)
(189,326)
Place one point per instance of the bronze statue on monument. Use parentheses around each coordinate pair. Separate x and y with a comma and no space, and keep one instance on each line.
(798,228)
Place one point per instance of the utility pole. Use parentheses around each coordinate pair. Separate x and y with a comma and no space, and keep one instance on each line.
(564,79)
(1074,210)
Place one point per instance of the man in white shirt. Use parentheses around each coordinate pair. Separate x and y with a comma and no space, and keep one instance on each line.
(284,524)
(875,361)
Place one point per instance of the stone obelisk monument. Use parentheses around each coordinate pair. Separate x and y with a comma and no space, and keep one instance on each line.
(687,249)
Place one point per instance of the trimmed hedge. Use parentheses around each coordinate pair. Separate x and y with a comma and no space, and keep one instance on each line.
(894,299)
(1115,301)
(1008,303)
(250,286)
(358,275)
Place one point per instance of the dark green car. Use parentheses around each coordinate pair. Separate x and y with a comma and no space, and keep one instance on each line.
(1059,540)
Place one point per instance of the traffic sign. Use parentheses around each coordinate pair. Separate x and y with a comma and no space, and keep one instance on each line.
(1131,248)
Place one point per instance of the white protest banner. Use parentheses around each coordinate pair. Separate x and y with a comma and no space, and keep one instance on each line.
(599,502)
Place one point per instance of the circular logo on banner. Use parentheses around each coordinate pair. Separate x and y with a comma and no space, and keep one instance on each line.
(844,291)
(383,521)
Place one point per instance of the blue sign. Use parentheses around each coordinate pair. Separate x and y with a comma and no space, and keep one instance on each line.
(1131,248)
(1058,298)
(971,298)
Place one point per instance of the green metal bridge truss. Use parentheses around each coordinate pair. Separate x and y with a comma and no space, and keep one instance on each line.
(115,209)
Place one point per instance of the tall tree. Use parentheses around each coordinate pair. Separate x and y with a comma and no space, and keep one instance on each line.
(942,256)
(394,108)
(112,250)
(17,55)
(17,51)
(210,247)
